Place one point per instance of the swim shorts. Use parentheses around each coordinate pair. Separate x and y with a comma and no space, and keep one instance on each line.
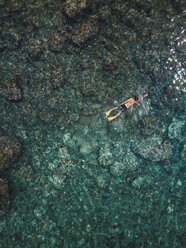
(122,107)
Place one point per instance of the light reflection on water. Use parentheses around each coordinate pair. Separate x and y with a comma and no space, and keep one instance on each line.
(178,82)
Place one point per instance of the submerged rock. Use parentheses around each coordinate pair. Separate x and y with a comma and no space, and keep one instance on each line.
(28,113)
(9,150)
(11,89)
(153,148)
(86,31)
(129,163)
(105,156)
(2,3)
(76,8)
(4,196)
(176,129)
(16,5)
(117,168)
(34,48)
(57,78)
(10,39)
(57,41)
(149,125)
(183,153)
(111,62)
(103,180)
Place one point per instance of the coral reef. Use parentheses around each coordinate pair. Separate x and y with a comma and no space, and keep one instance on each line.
(176,129)
(4,196)
(10,149)
(82,181)
(56,42)
(35,48)
(86,31)
(153,148)
(11,89)
(76,8)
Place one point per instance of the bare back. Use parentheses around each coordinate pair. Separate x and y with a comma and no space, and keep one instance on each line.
(129,102)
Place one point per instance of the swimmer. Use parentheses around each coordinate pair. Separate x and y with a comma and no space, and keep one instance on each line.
(124,106)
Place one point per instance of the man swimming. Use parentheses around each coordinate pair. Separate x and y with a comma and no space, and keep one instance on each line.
(124,106)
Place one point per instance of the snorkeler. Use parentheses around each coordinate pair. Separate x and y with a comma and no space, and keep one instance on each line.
(124,106)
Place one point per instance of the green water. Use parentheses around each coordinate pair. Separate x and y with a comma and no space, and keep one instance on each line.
(80,180)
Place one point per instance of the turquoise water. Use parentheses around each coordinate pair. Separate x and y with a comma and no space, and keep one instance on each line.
(81,181)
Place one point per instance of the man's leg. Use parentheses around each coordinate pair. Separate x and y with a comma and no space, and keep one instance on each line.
(108,112)
(113,117)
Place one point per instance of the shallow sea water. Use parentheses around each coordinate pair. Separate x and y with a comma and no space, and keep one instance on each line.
(80,180)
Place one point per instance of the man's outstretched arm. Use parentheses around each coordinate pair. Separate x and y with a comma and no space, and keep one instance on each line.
(142,97)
